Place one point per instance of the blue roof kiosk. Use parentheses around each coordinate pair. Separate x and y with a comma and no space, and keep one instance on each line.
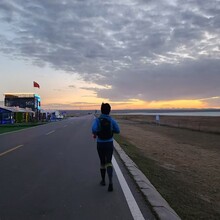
(6,116)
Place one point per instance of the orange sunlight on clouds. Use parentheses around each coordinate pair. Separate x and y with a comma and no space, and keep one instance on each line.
(177,104)
(169,104)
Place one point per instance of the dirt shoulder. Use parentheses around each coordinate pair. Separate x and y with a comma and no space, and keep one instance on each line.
(189,159)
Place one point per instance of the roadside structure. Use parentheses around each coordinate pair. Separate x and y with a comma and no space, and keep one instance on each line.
(11,115)
(24,101)
(25,107)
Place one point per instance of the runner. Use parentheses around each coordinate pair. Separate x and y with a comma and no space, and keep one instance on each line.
(104,127)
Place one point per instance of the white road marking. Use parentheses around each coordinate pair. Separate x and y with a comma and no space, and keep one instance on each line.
(50,132)
(135,211)
(12,149)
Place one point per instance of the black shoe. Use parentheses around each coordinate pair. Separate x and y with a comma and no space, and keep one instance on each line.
(102,183)
(110,187)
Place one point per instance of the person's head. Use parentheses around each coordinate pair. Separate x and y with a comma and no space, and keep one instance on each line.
(105,108)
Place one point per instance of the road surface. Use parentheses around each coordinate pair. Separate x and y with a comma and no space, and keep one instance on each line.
(52,172)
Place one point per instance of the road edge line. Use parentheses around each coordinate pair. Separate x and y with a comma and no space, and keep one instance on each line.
(132,204)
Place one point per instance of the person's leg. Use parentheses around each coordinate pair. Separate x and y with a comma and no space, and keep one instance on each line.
(109,167)
(101,153)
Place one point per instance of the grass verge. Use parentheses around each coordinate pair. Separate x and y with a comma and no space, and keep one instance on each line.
(16,127)
(178,193)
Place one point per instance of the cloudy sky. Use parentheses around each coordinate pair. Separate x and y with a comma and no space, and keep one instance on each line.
(131,53)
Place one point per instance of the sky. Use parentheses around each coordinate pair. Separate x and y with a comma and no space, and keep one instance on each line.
(134,54)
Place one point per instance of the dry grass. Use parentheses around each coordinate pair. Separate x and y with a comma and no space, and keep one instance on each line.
(182,164)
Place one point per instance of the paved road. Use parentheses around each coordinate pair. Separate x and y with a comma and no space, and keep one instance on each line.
(51,172)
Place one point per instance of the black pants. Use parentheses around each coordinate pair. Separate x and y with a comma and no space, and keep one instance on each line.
(105,151)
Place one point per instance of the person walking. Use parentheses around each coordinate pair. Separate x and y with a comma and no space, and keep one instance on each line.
(103,129)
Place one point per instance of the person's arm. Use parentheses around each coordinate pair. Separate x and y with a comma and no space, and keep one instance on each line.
(115,126)
(95,127)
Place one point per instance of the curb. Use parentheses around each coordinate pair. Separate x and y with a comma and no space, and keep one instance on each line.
(158,203)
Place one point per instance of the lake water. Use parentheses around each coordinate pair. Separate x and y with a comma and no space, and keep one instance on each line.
(171,113)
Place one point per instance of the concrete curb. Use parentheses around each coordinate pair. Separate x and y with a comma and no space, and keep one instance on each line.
(158,203)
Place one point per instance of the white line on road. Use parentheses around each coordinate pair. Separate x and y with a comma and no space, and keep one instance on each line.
(135,211)
(50,132)
(12,149)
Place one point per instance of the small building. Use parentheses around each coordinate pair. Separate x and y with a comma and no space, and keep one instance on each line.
(51,115)
(10,115)
(24,100)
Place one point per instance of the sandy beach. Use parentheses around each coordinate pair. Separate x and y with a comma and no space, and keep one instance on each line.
(191,156)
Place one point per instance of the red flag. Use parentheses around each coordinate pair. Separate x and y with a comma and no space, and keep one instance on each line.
(36,84)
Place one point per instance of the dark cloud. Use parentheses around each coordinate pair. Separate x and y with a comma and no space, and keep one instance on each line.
(166,82)
(150,50)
